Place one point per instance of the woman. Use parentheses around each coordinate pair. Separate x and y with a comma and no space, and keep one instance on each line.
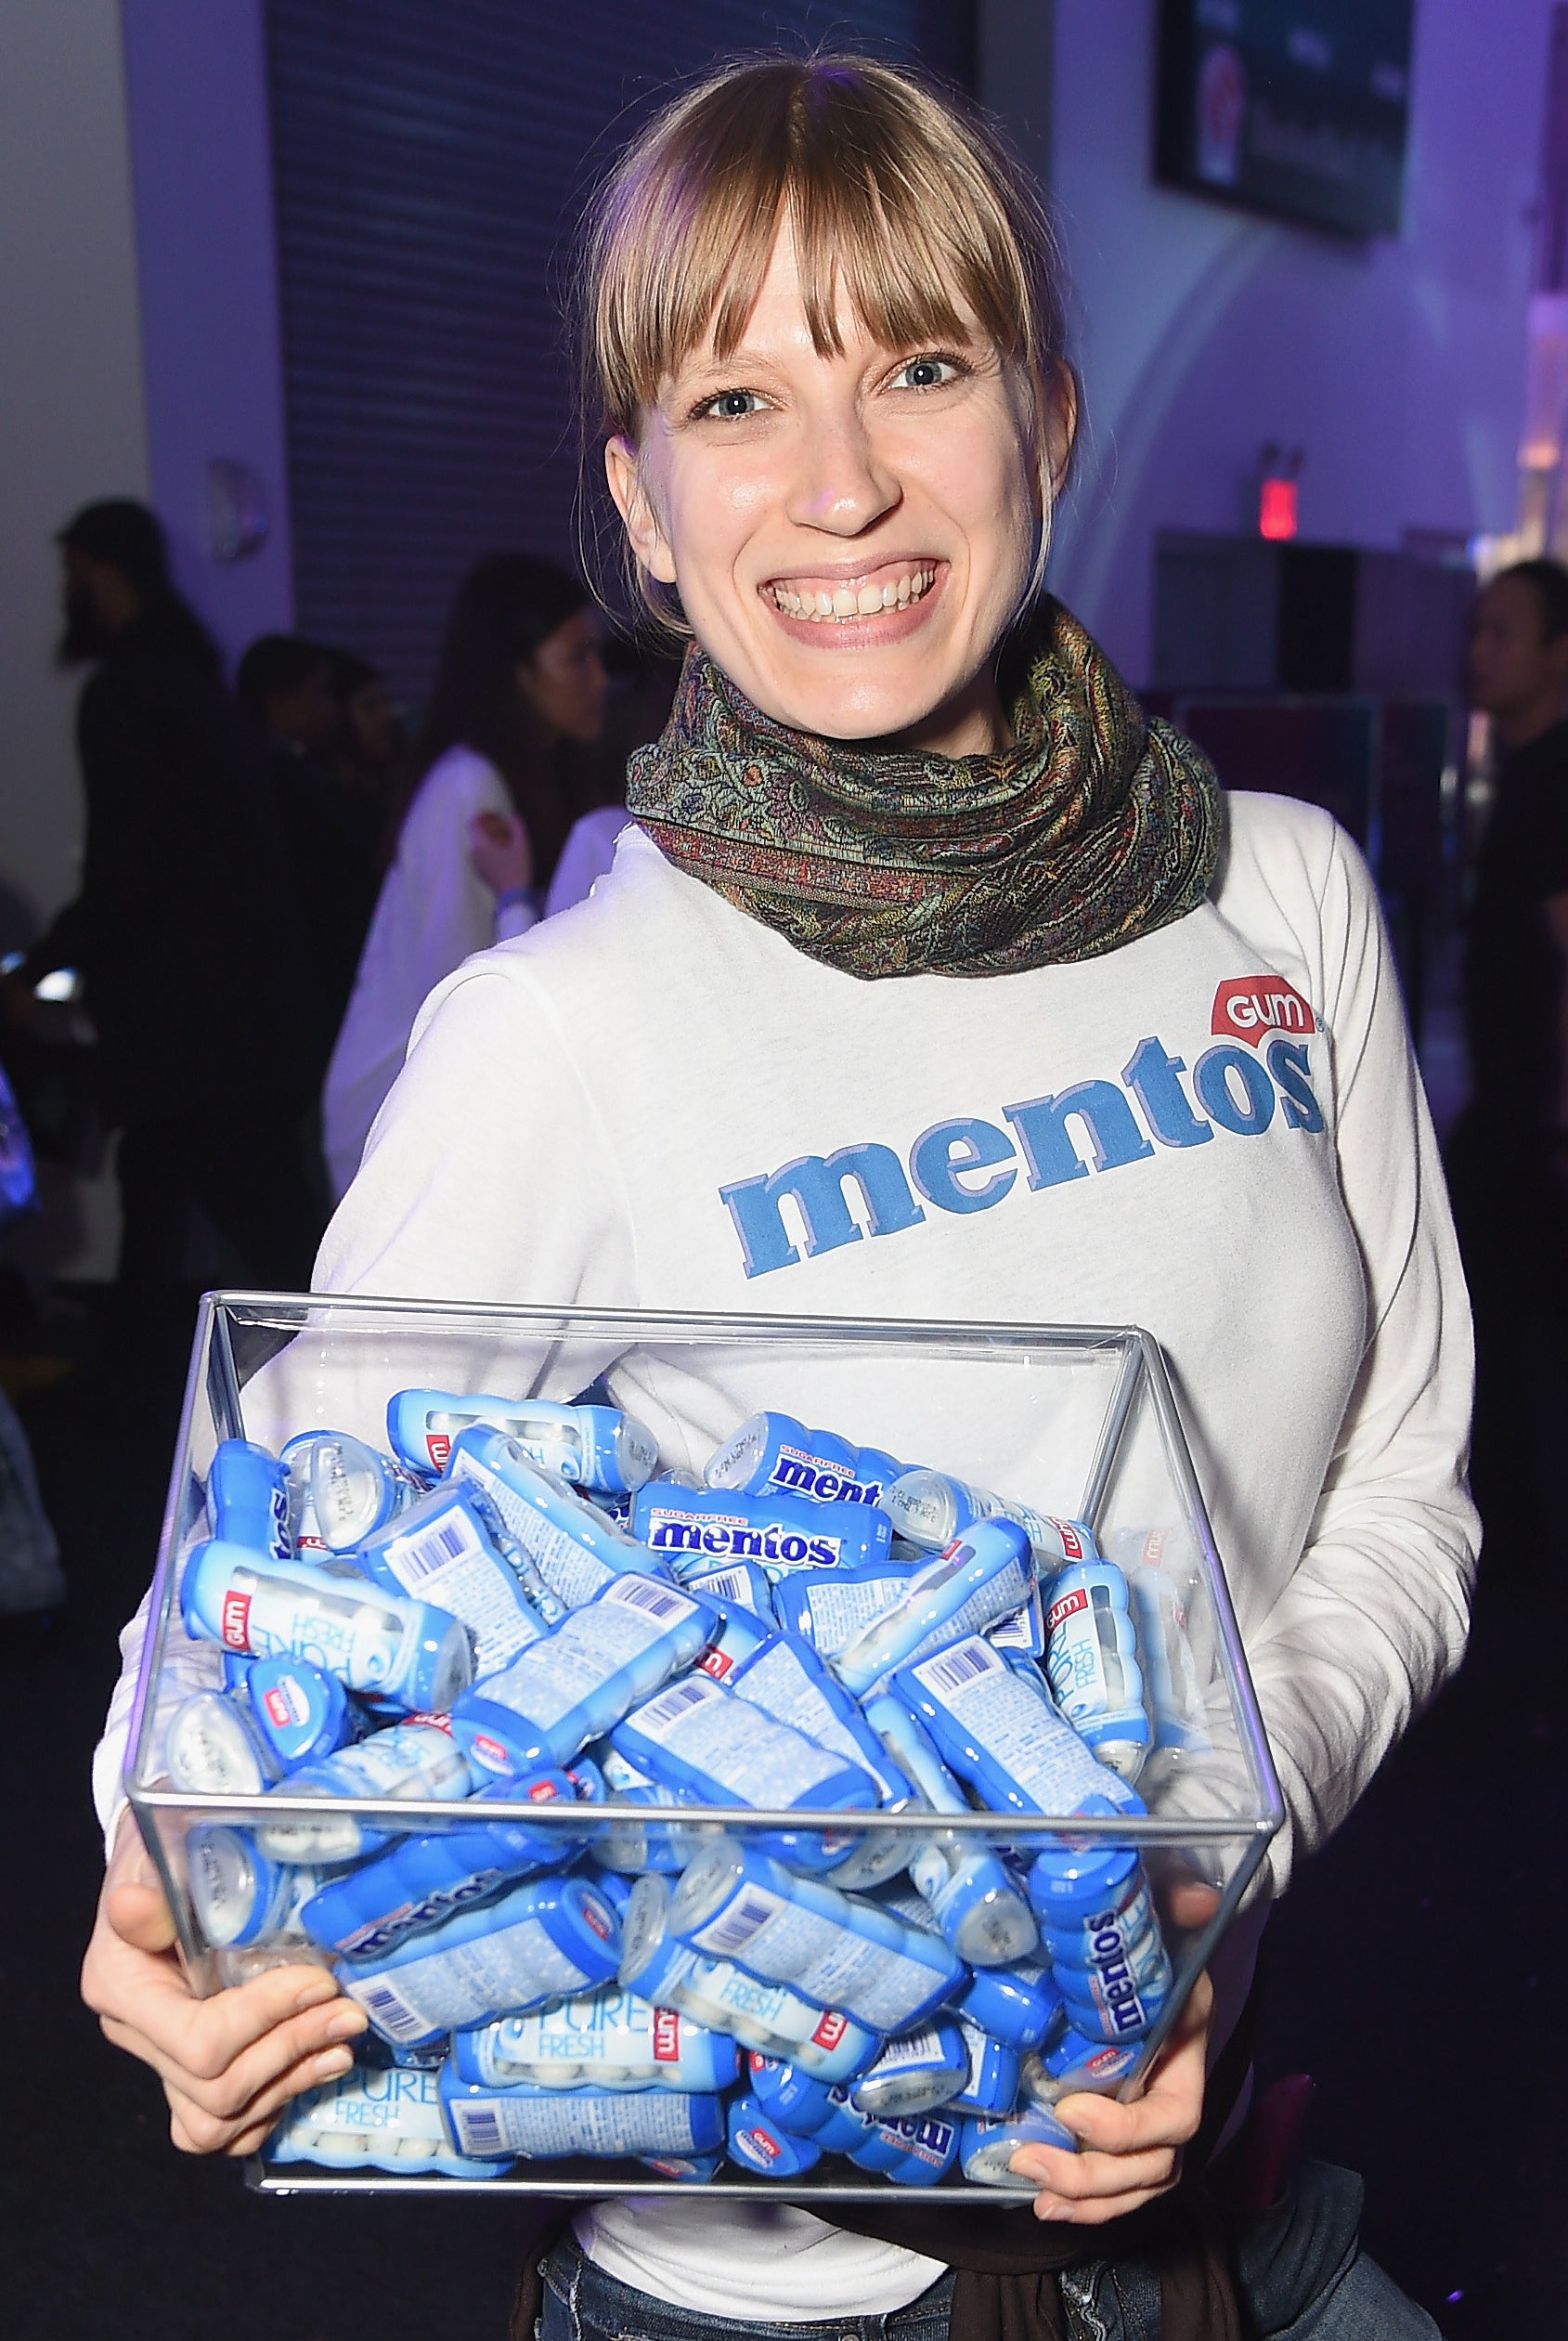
(518,699)
(907,851)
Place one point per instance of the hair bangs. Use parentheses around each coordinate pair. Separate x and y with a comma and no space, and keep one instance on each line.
(889,213)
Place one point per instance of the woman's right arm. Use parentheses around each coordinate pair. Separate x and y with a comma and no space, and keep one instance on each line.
(484,1179)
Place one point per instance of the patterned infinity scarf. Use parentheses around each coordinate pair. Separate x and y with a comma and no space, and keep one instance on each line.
(1096,827)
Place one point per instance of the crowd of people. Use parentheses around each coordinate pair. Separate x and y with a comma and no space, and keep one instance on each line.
(274,875)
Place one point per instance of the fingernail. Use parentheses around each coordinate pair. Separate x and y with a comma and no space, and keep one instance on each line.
(313,1994)
(1047,2207)
(346,2023)
(333,2063)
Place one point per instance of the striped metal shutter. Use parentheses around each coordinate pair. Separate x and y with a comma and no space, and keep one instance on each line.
(430,158)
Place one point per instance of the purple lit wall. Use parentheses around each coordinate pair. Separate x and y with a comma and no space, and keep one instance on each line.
(196,105)
(70,395)
(1202,332)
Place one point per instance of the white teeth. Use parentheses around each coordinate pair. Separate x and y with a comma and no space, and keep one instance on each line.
(867,601)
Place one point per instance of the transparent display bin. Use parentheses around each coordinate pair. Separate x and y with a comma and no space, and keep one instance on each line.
(1078,1422)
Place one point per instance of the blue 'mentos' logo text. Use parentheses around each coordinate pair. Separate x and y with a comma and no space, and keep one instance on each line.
(966,1165)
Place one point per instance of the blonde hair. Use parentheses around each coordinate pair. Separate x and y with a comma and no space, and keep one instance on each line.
(909,206)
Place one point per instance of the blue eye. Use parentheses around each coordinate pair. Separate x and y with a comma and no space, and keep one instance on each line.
(927,373)
(732,406)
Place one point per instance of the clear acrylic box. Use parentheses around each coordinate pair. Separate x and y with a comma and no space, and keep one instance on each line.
(1077,1421)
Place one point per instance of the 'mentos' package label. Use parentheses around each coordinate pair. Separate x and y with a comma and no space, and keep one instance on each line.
(697,1526)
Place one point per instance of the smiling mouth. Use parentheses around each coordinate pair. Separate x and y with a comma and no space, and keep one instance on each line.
(839,602)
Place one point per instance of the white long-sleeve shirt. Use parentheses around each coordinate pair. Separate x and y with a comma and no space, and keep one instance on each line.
(1217,1132)
(588,854)
(432,911)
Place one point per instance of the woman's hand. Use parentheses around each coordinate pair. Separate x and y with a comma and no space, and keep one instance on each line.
(500,850)
(1128,2154)
(229,2065)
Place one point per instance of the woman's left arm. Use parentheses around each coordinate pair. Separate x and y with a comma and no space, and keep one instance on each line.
(1375,1616)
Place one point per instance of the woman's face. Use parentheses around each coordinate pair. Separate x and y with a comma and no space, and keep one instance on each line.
(850,536)
(564,680)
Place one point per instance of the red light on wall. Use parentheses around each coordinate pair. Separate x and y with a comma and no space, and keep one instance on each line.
(1276,508)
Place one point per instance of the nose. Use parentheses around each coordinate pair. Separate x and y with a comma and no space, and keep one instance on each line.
(841,483)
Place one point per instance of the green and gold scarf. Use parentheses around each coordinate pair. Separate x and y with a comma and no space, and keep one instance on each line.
(1095,827)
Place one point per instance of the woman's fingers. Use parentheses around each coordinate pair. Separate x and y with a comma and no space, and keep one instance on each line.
(224,2048)
(256,2027)
(197,2129)
(139,1915)
(1077,2176)
(1127,2153)
(1096,2185)
(246,2141)
(146,1993)
(1188,1901)
(225,2085)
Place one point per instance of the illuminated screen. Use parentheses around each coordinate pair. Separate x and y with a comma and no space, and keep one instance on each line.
(1293,106)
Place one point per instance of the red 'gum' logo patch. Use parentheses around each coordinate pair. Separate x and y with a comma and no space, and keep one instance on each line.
(1069,1607)
(1246,1006)
(236,1620)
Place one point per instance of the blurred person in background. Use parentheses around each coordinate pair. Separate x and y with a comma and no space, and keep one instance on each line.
(371,743)
(504,766)
(643,682)
(332,826)
(285,685)
(185,929)
(1507,1159)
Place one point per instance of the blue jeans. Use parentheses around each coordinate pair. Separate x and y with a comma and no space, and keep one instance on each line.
(581,2303)
(1301,2272)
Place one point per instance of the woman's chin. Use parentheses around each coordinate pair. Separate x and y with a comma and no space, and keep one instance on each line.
(963,722)
(820,696)
(857,725)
